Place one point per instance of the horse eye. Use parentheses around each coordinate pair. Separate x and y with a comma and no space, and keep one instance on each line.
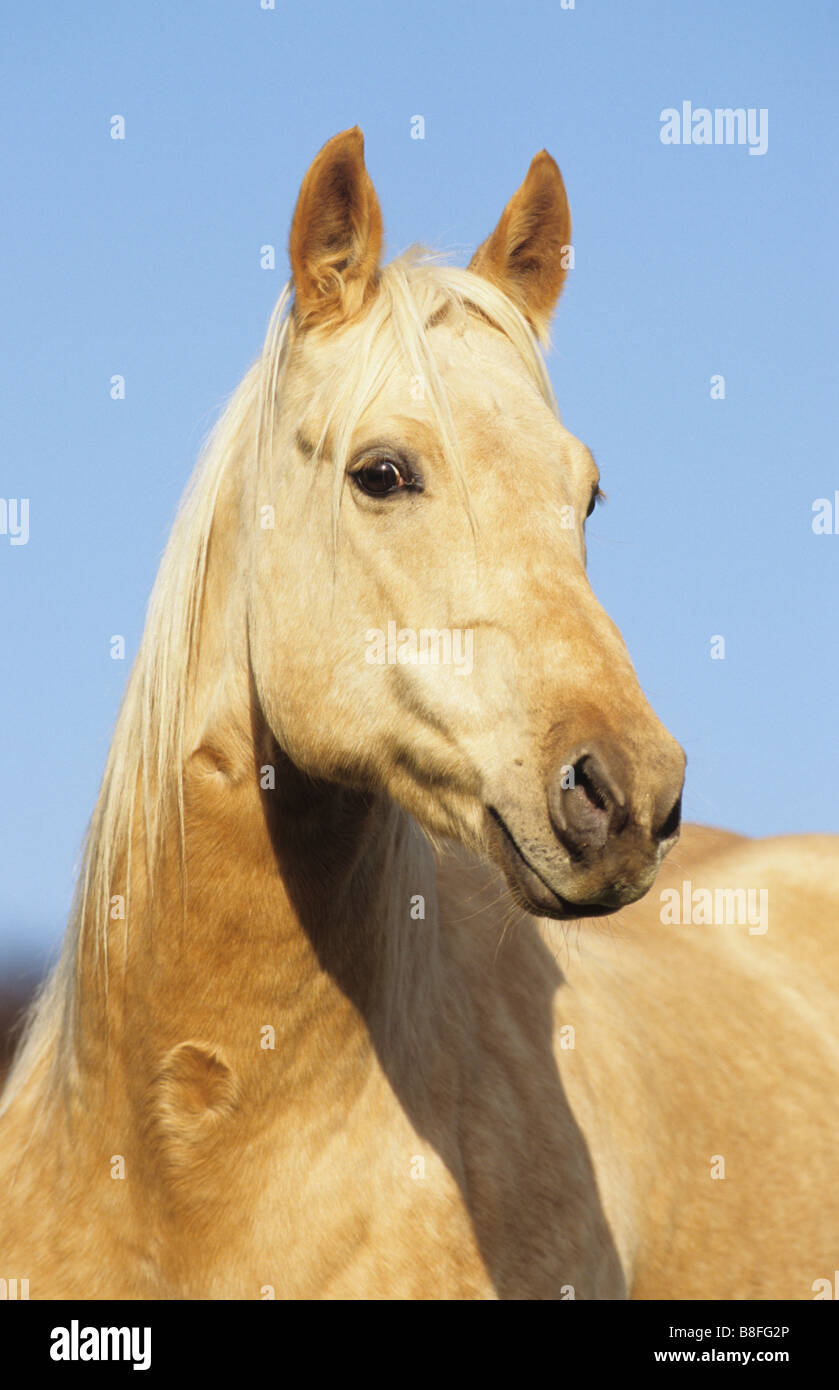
(596,494)
(379,477)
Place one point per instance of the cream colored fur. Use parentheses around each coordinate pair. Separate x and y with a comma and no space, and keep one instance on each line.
(277,1075)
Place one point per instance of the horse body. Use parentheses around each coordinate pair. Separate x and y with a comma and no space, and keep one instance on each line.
(292,1049)
(435,1136)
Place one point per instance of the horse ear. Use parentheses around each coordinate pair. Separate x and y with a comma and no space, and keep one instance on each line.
(526,254)
(336,233)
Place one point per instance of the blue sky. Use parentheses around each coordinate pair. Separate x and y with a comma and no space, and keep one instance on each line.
(141,257)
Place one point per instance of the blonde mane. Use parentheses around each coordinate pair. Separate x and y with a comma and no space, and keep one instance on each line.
(147,751)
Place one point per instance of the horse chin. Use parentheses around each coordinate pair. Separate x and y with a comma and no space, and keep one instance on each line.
(536,889)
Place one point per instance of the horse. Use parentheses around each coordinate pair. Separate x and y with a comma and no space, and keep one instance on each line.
(361,996)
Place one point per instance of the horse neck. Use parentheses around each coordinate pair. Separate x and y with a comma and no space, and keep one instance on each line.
(292,925)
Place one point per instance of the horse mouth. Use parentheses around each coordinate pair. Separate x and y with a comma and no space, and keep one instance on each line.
(530,888)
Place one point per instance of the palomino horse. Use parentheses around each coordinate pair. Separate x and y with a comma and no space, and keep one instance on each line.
(312,1033)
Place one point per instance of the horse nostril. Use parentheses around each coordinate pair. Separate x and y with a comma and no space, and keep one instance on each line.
(672,822)
(582,801)
(591,777)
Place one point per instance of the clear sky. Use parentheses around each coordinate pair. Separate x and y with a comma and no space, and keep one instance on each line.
(140,257)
